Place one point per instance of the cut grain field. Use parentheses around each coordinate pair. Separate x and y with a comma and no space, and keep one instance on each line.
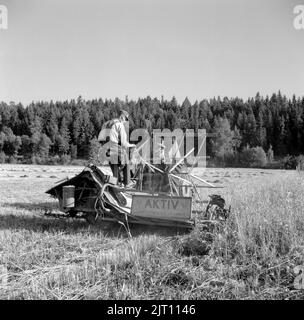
(257,255)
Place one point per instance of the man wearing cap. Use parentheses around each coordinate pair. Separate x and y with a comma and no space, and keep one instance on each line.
(118,145)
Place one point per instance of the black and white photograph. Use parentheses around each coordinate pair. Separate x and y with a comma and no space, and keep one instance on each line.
(151,153)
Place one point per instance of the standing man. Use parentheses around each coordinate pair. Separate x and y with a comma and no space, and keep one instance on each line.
(117,146)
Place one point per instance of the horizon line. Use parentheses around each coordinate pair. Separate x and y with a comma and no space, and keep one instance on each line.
(191,100)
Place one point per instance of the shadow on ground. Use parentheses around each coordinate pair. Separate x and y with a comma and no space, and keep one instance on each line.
(37,221)
(32,206)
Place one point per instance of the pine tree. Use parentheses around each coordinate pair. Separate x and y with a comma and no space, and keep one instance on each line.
(63,138)
(270,155)
(260,131)
(44,145)
(222,142)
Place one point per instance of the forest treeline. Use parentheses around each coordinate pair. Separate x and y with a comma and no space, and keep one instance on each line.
(272,126)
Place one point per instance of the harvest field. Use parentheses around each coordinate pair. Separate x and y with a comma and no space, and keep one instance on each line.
(253,257)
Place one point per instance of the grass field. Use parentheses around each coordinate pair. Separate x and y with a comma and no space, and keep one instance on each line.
(253,257)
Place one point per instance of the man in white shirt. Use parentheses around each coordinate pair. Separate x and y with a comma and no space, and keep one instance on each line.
(118,146)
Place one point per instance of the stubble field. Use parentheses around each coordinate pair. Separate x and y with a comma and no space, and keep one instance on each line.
(257,255)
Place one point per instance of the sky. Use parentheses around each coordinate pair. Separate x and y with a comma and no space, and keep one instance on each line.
(60,49)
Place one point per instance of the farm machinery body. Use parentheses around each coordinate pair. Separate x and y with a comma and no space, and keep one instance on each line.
(161,196)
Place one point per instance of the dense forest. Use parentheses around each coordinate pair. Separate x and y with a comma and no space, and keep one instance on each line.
(63,130)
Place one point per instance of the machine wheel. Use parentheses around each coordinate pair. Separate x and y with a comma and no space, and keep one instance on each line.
(216,208)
